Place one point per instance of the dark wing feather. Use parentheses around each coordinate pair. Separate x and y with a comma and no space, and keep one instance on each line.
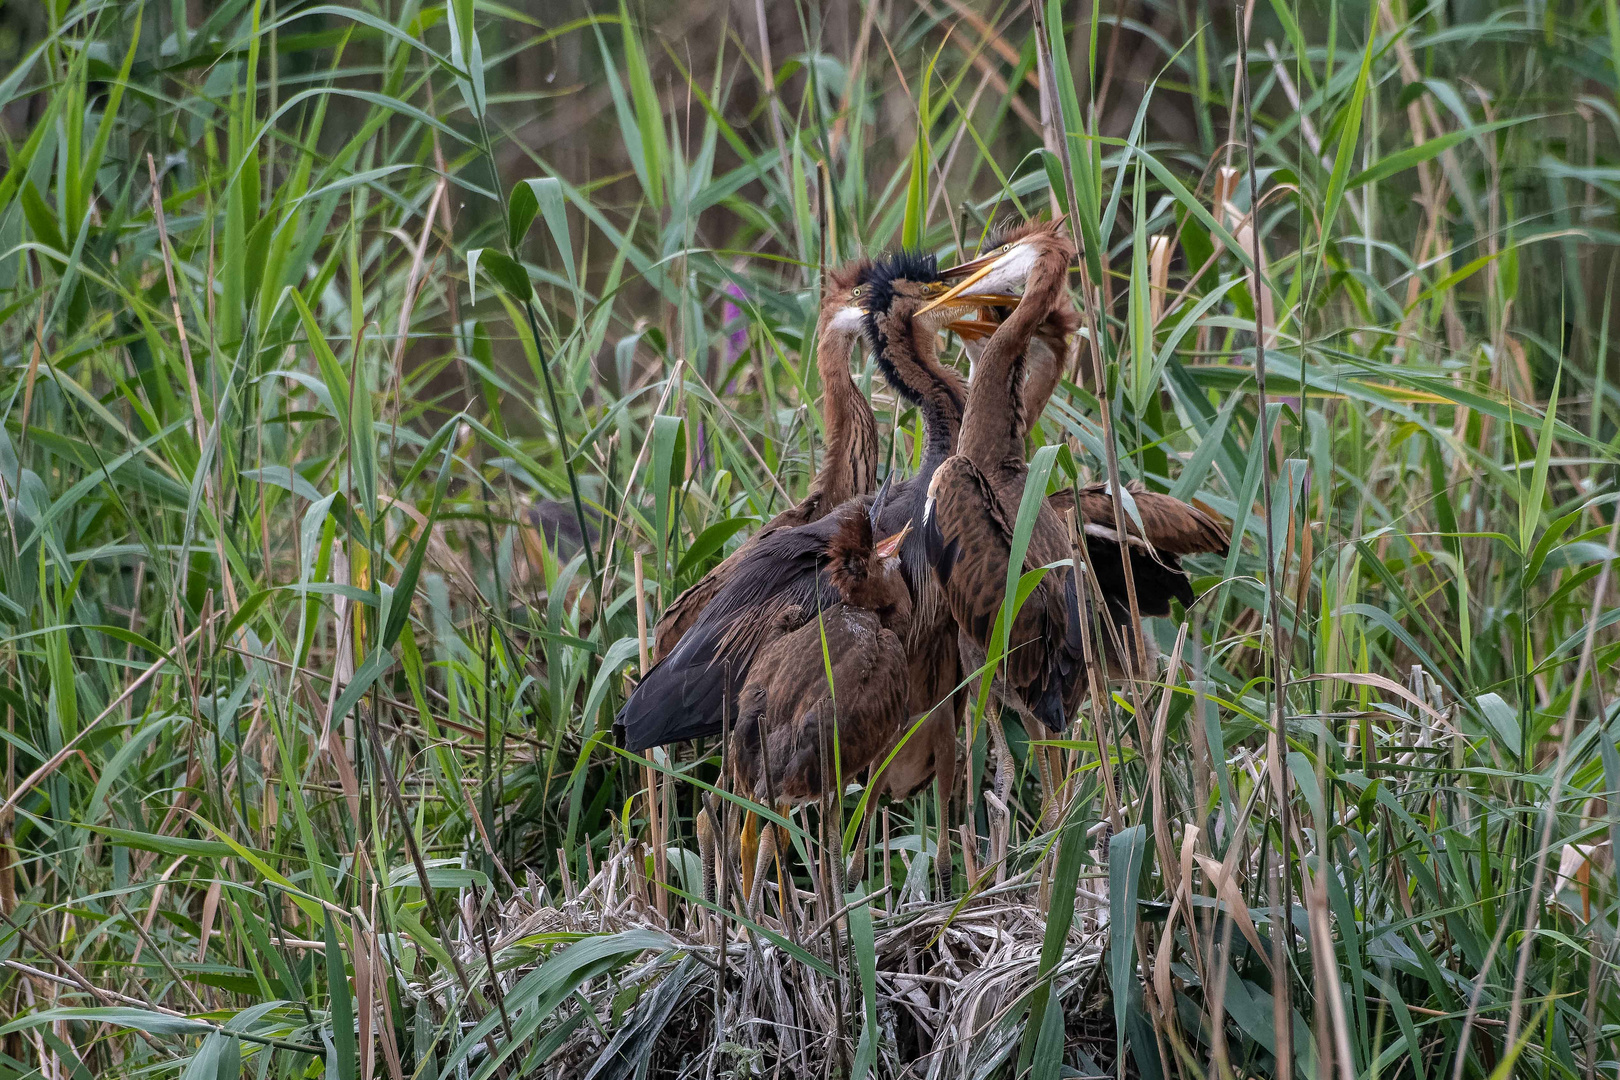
(901,504)
(1173,527)
(1050,621)
(1158,579)
(683,613)
(685,696)
(685,610)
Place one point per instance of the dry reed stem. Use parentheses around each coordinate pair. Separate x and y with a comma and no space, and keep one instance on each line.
(1160,248)
(655,786)
(1550,818)
(1333,1033)
(1155,767)
(956,974)
(210,490)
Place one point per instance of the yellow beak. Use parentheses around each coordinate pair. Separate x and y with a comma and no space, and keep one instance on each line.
(978,262)
(972,272)
(888,548)
(973,329)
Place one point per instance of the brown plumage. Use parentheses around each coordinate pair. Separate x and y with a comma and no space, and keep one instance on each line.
(848,466)
(975,495)
(789,716)
(829,686)
(1049,353)
(1170,527)
(691,691)
(905,348)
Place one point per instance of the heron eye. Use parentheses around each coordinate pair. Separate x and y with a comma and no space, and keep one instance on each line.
(857,291)
(1007,248)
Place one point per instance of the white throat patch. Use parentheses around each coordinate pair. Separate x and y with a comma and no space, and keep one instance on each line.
(1010,271)
(847,320)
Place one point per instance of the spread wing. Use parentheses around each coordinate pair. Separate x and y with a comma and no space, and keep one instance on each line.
(1173,527)
(1170,529)
(688,693)
(685,610)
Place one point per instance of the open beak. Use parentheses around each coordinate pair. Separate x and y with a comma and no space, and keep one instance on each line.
(973,329)
(889,548)
(971,272)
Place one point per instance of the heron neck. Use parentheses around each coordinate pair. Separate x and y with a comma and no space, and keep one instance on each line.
(995,421)
(850,465)
(1043,368)
(909,358)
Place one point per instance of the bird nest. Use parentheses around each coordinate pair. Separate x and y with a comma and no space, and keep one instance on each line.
(600,984)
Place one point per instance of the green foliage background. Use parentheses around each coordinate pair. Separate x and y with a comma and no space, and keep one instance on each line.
(293,683)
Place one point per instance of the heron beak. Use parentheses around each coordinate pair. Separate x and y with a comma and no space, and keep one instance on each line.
(973,329)
(972,272)
(891,547)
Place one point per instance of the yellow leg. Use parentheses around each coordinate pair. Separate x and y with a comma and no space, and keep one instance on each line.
(779,848)
(750,851)
(1057,769)
(707,853)
(1049,795)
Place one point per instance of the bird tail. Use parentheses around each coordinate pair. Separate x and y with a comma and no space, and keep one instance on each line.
(1052,702)
(1158,577)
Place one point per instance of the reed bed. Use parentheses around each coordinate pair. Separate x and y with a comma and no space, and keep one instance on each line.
(372,374)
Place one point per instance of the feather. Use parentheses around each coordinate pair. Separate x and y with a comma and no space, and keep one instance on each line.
(686,694)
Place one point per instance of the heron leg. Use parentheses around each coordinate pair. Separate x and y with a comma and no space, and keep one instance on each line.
(835,865)
(785,898)
(1001,825)
(714,850)
(970,857)
(765,850)
(749,854)
(945,778)
(1049,794)
(1059,804)
(707,854)
(970,832)
(857,858)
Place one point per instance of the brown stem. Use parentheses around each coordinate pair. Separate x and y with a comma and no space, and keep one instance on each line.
(1279,658)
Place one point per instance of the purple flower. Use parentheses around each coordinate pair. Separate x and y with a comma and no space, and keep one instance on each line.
(732,316)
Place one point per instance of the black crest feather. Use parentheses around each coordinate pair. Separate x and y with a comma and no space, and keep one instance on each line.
(877,281)
(879,275)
